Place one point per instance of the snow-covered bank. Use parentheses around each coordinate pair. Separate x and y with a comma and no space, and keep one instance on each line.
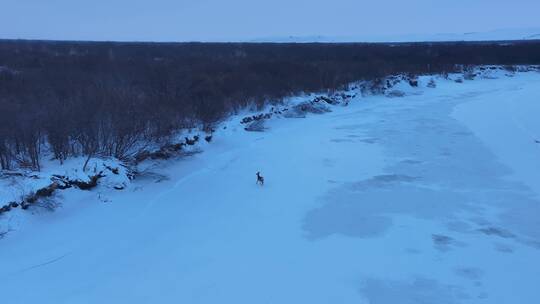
(25,188)
(388,200)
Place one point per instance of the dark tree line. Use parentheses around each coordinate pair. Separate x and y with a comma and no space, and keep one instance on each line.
(108,99)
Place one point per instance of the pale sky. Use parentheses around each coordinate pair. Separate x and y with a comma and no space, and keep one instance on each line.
(220,20)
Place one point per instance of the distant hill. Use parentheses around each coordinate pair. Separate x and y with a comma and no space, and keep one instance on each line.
(495,35)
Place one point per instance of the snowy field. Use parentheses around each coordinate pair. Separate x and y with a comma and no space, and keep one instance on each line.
(433,197)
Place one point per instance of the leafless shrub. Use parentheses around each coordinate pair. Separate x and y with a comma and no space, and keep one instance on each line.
(395,93)
(256,126)
(4,233)
(48,203)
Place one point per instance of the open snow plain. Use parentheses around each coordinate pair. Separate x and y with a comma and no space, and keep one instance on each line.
(433,197)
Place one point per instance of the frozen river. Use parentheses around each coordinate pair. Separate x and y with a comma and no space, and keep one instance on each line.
(428,198)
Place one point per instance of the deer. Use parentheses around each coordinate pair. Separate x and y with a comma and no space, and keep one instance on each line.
(260,179)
